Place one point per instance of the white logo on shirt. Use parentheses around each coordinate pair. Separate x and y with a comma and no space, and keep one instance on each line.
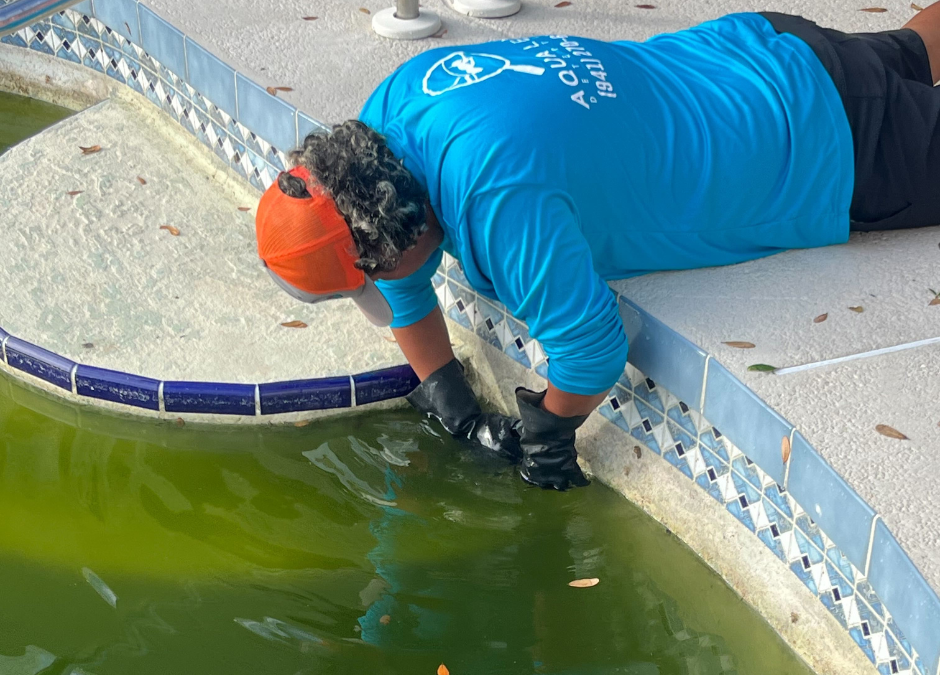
(460,69)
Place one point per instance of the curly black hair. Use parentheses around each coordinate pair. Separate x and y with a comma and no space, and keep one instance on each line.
(382,202)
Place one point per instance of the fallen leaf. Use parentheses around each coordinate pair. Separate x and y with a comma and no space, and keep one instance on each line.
(440,34)
(857,310)
(90,150)
(761,368)
(310,18)
(294,324)
(794,617)
(821,318)
(442,670)
(935,301)
(48,79)
(364,10)
(172,230)
(890,432)
(283,89)
(141,180)
(739,345)
(72,193)
(565,3)
(646,6)
(385,620)
(916,8)
(637,451)
(271,90)
(244,208)
(785,449)
(301,423)
(88,345)
(874,10)
(584,583)
(626,471)
(180,422)
(127,26)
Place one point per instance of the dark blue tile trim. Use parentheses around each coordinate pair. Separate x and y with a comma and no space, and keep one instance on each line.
(298,395)
(380,385)
(40,362)
(113,385)
(209,397)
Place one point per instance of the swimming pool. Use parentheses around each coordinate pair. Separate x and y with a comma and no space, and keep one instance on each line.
(21,117)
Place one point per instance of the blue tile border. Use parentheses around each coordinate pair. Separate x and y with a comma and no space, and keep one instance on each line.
(665,406)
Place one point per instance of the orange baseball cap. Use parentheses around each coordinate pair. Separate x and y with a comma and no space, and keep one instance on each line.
(307,248)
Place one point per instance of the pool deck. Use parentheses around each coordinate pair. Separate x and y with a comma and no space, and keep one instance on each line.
(197,306)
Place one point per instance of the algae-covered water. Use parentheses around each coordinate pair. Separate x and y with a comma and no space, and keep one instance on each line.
(21,117)
(367,544)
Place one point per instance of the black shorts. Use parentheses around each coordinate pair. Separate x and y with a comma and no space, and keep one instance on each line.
(894,113)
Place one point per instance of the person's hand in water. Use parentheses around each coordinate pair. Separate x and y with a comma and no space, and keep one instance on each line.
(446,396)
(549,458)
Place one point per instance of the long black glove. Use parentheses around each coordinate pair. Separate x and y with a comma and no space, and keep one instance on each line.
(549,458)
(446,395)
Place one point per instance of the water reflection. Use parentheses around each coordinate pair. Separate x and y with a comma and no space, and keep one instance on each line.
(365,544)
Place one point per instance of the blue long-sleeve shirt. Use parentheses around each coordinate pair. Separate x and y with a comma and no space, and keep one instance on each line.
(556,163)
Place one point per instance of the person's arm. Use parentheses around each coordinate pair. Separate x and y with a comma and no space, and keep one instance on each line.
(564,404)
(426,344)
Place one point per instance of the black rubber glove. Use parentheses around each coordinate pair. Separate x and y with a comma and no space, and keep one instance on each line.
(446,395)
(549,458)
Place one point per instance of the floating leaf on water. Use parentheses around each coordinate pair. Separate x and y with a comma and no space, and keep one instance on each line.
(785,449)
(385,620)
(172,230)
(294,324)
(442,670)
(637,451)
(72,193)
(565,3)
(646,6)
(244,208)
(89,150)
(874,10)
(821,318)
(916,7)
(364,10)
(310,18)
(584,583)
(890,432)
(301,423)
(101,588)
(180,422)
(761,368)
(858,310)
(141,180)
(739,345)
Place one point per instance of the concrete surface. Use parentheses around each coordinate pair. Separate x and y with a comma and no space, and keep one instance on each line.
(772,303)
(94,277)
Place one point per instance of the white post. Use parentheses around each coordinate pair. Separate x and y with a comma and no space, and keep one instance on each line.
(485,9)
(406,21)
(406,9)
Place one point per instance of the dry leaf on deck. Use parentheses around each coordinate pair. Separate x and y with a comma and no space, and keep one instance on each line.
(72,193)
(916,8)
(310,18)
(821,318)
(646,6)
(294,324)
(637,451)
(739,345)
(88,345)
(244,208)
(785,449)
(874,10)
(90,150)
(890,432)
(565,3)
(440,34)
(141,180)
(172,230)
(271,90)
(584,583)
(857,310)
(442,670)
(935,301)
(283,89)
(364,10)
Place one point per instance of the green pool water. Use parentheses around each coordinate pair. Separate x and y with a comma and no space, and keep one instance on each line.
(22,117)
(368,544)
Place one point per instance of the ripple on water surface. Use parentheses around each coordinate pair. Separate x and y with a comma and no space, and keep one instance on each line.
(363,545)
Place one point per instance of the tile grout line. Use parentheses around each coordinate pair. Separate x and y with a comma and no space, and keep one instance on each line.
(257,400)
(871,544)
(352,392)
(3,348)
(72,379)
(161,406)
